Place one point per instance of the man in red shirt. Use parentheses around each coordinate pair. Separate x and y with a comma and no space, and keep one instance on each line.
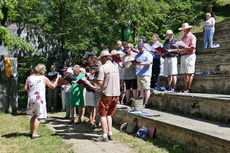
(188,56)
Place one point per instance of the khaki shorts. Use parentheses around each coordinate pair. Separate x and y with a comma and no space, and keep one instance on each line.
(170,66)
(107,105)
(143,82)
(188,63)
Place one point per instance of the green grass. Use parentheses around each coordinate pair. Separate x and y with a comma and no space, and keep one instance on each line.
(199,27)
(223,2)
(14,137)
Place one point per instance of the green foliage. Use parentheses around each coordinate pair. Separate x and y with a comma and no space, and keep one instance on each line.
(25,65)
(5,36)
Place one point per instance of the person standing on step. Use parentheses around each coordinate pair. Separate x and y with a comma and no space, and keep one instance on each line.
(188,56)
(170,60)
(155,79)
(109,80)
(209,29)
(129,73)
(143,72)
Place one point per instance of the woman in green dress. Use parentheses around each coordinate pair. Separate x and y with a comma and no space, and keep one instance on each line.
(76,97)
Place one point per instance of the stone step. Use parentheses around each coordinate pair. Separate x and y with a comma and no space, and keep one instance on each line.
(198,136)
(217,57)
(223,43)
(213,107)
(217,67)
(216,38)
(219,50)
(216,84)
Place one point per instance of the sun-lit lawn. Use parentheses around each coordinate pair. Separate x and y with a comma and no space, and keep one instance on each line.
(14,137)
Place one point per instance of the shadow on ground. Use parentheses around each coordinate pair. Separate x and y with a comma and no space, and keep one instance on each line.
(15,134)
(66,130)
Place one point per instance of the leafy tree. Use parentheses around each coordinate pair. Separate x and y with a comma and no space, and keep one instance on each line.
(8,12)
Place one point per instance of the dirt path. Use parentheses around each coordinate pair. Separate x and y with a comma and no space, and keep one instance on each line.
(83,137)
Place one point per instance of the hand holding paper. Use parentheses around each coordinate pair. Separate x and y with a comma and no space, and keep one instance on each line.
(161,50)
(180,45)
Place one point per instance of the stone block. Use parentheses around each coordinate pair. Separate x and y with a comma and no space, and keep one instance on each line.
(182,131)
(206,106)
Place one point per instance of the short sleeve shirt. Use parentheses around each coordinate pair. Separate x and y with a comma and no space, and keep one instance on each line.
(130,70)
(109,74)
(210,21)
(190,41)
(144,70)
(155,45)
(169,45)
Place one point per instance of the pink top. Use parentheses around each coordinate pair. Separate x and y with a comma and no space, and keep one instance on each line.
(190,41)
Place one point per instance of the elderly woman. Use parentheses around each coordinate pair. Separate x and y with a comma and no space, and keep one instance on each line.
(130,73)
(36,107)
(209,29)
(77,97)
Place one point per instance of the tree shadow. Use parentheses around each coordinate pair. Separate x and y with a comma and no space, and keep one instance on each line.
(16,134)
(67,131)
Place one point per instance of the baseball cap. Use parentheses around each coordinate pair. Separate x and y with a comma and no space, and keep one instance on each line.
(140,45)
(168,32)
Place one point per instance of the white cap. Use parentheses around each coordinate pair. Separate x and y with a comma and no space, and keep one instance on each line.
(168,32)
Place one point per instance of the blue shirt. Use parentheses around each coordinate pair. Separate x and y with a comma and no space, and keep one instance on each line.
(169,45)
(144,69)
(155,45)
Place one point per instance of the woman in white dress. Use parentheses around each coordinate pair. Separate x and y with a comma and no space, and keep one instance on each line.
(36,106)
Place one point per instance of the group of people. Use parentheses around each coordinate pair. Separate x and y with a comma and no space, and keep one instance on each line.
(111,77)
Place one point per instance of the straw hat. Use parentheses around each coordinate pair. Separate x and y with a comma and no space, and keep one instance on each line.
(104,53)
(185,26)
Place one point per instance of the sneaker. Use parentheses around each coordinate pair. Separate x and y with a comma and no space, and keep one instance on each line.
(186,91)
(110,137)
(35,136)
(102,139)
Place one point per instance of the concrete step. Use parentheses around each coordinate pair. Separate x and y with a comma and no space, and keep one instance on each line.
(217,57)
(216,84)
(219,50)
(213,107)
(223,43)
(214,67)
(198,136)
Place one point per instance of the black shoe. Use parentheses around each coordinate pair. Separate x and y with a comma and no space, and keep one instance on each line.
(110,137)
(71,122)
(35,136)
(147,106)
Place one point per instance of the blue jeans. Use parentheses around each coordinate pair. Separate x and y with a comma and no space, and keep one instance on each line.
(208,38)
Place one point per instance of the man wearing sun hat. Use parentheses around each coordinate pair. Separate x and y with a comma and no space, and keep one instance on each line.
(188,56)
(109,80)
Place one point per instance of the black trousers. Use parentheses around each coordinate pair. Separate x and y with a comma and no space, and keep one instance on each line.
(155,79)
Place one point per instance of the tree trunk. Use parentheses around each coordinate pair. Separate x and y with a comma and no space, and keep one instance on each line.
(5,13)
